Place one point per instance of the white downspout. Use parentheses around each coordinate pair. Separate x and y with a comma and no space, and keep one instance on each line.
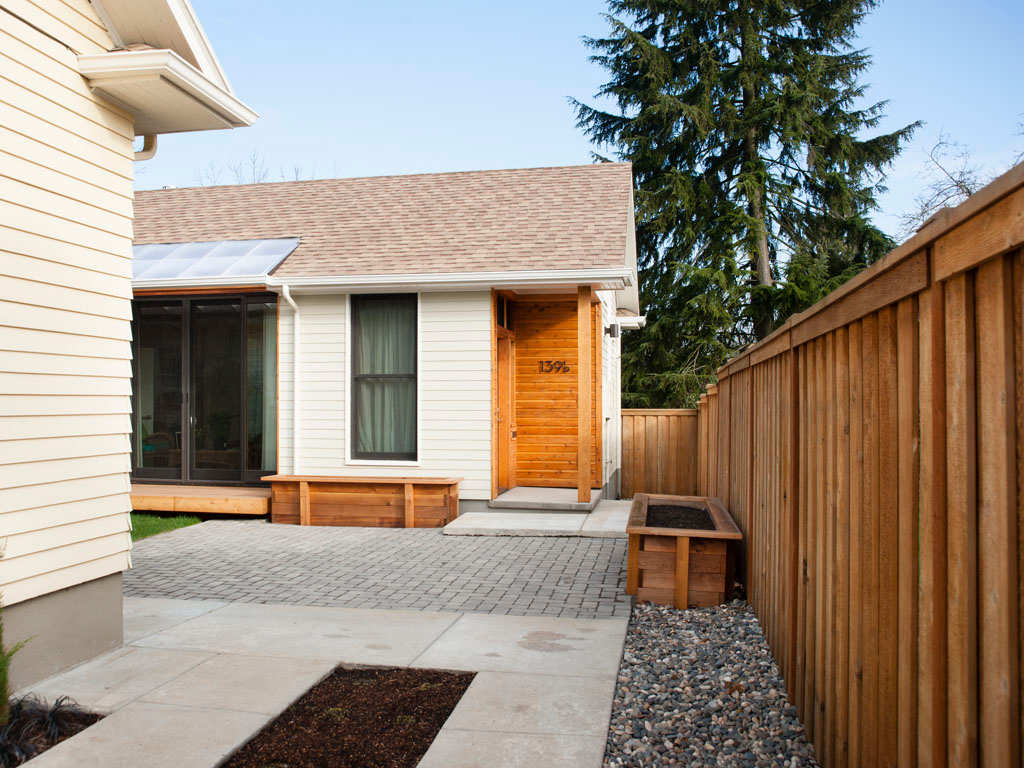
(295,378)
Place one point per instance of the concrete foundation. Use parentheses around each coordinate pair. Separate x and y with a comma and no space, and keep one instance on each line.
(63,629)
(472,505)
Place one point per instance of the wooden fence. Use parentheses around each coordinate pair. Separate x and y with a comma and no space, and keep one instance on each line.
(659,451)
(872,451)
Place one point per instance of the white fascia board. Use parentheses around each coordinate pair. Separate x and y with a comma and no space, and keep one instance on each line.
(105,71)
(235,281)
(197,40)
(603,279)
(630,297)
(149,21)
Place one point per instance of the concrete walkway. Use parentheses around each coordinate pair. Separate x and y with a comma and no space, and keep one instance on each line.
(197,678)
(607,521)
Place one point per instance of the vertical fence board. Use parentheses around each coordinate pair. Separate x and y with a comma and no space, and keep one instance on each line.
(1018,347)
(827,707)
(819,618)
(997,516)
(792,483)
(869,549)
(840,722)
(932,640)
(856,514)
(888,540)
(907,376)
(962,523)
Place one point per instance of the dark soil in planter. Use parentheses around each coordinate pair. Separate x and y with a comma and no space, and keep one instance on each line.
(358,718)
(34,726)
(679,516)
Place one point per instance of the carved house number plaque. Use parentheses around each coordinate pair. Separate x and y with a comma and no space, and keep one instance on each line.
(554,366)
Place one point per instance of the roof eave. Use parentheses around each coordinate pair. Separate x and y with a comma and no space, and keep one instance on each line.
(162,24)
(611,278)
(129,79)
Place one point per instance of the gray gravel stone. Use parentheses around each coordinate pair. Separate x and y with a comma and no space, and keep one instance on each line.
(700,688)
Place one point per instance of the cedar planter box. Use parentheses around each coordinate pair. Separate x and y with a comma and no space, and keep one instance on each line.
(688,567)
(377,502)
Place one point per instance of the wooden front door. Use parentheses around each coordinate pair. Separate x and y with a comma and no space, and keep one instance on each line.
(506,411)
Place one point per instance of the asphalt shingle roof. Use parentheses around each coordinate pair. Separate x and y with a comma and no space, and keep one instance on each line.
(479,221)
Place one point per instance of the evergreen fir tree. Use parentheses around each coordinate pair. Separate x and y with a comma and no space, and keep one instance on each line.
(754,179)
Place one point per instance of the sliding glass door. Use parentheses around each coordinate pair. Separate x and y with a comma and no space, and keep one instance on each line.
(204,388)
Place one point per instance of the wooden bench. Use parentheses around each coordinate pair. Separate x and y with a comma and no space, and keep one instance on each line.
(377,502)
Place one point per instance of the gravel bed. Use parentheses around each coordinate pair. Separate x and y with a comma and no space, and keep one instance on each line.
(700,688)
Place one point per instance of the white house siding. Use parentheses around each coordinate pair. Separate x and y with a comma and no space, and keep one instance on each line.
(454,386)
(65,357)
(611,406)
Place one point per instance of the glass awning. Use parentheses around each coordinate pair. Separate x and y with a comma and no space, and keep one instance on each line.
(216,259)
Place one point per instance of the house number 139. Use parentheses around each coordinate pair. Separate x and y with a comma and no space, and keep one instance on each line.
(554,366)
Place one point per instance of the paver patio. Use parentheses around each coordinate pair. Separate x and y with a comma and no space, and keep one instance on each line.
(409,569)
(199,678)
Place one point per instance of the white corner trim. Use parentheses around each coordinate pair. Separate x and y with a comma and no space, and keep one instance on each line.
(107,70)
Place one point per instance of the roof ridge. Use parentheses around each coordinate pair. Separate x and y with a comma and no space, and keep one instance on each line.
(264,184)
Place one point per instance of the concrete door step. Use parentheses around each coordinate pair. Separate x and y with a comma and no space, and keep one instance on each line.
(532,499)
(608,521)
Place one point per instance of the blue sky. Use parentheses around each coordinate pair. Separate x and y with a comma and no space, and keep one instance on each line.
(361,89)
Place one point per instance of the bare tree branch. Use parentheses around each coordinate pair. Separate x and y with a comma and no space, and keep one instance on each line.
(950,178)
(250,171)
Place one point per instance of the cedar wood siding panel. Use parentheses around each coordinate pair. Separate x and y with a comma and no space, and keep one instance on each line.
(545,402)
(65,266)
(454,382)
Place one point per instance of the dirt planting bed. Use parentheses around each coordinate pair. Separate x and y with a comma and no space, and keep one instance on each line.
(679,516)
(358,718)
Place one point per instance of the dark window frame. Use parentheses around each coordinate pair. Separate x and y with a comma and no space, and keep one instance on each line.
(357,455)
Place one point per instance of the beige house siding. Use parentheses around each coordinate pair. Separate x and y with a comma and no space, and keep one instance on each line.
(65,289)
(454,385)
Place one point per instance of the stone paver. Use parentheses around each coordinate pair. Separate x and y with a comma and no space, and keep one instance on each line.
(408,569)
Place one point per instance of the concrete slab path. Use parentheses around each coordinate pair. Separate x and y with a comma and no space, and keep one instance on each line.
(199,678)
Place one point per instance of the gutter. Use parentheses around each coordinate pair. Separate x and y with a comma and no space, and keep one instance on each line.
(235,281)
(107,71)
(286,293)
(610,278)
(615,279)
